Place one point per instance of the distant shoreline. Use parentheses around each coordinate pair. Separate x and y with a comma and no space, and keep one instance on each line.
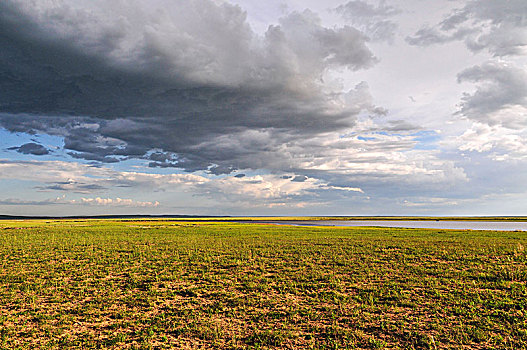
(266,218)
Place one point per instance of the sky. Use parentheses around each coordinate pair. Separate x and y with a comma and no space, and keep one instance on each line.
(244,107)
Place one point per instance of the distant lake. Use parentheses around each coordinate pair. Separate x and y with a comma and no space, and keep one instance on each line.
(453,225)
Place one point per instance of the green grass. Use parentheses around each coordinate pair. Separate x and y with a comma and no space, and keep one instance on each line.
(163,284)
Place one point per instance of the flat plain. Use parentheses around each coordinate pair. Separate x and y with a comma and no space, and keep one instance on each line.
(164,284)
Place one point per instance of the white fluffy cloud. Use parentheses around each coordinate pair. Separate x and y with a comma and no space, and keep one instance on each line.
(83,179)
(90,185)
(500,143)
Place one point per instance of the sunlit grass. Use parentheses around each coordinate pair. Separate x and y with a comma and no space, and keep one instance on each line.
(165,284)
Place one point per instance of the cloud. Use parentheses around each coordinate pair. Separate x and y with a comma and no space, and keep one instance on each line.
(117,202)
(50,201)
(430,36)
(299,178)
(500,27)
(348,189)
(431,202)
(31,148)
(372,20)
(500,96)
(500,143)
(496,111)
(496,108)
(189,85)
(81,178)
(137,80)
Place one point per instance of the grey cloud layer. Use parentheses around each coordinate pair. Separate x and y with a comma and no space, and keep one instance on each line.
(373,20)
(172,80)
(501,86)
(499,27)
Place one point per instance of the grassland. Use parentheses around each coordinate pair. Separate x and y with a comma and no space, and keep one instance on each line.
(164,284)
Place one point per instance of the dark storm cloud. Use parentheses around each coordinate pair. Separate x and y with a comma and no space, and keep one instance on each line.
(31,148)
(191,82)
(372,20)
(497,26)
